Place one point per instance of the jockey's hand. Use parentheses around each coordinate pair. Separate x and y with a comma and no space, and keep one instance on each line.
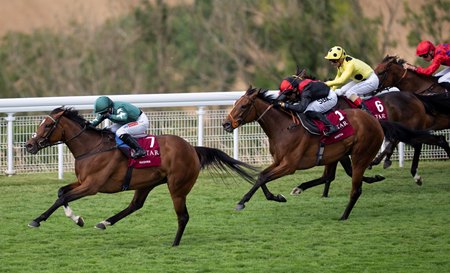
(276,103)
(409,66)
(339,92)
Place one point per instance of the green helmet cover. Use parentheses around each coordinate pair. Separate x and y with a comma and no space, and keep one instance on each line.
(102,104)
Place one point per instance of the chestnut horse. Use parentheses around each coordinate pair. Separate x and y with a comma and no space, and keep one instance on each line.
(101,167)
(294,148)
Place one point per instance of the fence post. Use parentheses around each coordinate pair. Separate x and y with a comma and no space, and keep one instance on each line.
(200,112)
(10,143)
(61,161)
(401,154)
(236,143)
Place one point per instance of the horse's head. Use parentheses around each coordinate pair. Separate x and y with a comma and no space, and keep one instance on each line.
(244,110)
(51,130)
(390,71)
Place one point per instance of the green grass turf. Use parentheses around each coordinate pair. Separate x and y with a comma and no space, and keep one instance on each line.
(396,226)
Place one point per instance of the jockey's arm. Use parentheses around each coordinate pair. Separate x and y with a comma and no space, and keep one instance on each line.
(343,78)
(98,119)
(121,115)
(433,67)
(301,106)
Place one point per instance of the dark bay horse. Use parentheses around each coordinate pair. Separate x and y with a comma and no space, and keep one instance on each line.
(391,73)
(101,167)
(294,148)
(406,109)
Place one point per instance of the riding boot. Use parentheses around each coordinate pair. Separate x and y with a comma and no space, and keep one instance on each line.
(359,103)
(131,141)
(446,85)
(323,118)
(363,106)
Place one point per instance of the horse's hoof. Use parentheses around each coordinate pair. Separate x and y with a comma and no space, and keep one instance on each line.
(379,178)
(369,167)
(34,224)
(296,191)
(80,222)
(387,164)
(418,180)
(281,198)
(100,226)
(240,207)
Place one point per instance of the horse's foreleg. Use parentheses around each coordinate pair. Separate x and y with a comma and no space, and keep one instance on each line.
(138,201)
(270,196)
(67,210)
(71,195)
(415,164)
(355,192)
(271,173)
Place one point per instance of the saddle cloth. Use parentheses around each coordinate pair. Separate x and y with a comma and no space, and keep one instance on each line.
(375,106)
(148,143)
(337,118)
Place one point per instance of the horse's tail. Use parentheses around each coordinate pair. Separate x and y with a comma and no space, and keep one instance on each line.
(220,160)
(397,131)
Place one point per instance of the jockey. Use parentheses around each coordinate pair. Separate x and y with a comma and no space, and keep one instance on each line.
(354,77)
(437,55)
(315,98)
(128,121)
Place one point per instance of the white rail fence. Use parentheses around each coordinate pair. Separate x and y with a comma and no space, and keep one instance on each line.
(197,117)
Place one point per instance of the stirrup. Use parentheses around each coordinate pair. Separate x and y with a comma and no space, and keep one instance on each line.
(331,130)
(138,153)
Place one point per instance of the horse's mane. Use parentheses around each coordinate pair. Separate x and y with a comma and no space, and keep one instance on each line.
(263,94)
(394,59)
(74,115)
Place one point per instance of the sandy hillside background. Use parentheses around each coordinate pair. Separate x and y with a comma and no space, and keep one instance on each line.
(26,15)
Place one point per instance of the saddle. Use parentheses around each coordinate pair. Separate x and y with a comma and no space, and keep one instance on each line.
(152,159)
(337,118)
(149,144)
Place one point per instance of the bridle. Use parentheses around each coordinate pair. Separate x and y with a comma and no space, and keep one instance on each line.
(235,122)
(383,75)
(45,140)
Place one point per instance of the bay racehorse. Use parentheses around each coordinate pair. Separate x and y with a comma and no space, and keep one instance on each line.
(294,148)
(101,167)
(404,108)
(435,97)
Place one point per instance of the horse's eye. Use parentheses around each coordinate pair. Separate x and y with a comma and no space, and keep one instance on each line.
(244,106)
(48,125)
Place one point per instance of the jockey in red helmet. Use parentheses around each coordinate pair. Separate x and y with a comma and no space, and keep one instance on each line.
(437,55)
(313,98)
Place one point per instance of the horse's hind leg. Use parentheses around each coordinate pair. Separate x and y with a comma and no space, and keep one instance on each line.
(138,201)
(67,210)
(328,176)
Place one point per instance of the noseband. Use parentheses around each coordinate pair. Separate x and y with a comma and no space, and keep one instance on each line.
(45,140)
(235,123)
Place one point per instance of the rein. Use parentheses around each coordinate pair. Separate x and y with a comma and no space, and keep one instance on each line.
(45,142)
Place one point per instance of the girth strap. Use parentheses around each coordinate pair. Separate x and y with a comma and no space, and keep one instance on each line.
(127,179)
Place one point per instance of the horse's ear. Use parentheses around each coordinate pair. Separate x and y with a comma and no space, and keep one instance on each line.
(250,87)
(298,71)
(302,73)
